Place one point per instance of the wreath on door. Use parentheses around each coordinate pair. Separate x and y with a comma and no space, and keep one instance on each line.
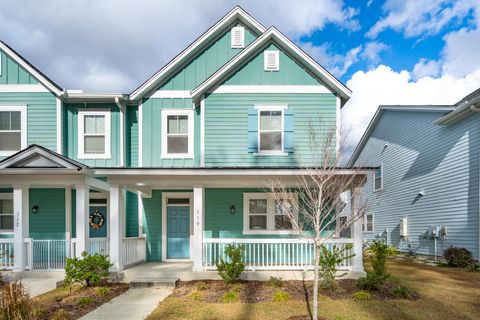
(96,219)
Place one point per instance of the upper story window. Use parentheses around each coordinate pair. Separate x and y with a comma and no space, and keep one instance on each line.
(177,134)
(6,213)
(238,37)
(263,214)
(367,225)
(378,179)
(94,134)
(271,61)
(13,129)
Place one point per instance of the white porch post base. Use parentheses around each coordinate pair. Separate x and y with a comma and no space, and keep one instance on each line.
(81,220)
(117,227)
(20,226)
(357,263)
(198,214)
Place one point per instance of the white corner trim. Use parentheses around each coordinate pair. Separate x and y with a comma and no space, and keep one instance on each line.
(59,125)
(270,89)
(337,125)
(81,126)
(202,131)
(1,64)
(121,108)
(140,135)
(5,88)
(188,112)
(174,94)
(23,127)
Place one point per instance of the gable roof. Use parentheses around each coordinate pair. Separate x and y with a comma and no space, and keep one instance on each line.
(273,34)
(373,123)
(236,13)
(36,156)
(37,74)
(464,107)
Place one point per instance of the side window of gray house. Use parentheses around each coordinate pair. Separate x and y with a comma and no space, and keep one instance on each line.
(378,179)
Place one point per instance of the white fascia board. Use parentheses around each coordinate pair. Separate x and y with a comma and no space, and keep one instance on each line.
(22,156)
(34,72)
(272,33)
(236,12)
(22,88)
(270,89)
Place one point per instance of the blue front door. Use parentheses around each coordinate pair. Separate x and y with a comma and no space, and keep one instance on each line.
(97,231)
(178,232)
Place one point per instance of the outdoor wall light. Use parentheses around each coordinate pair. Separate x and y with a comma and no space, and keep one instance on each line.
(232,209)
(35,208)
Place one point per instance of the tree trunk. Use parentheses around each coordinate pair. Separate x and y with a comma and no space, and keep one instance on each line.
(316,271)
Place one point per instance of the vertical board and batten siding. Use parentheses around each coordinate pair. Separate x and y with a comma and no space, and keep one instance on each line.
(71,131)
(41,116)
(443,161)
(226,127)
(207,62)
(152,133)
(12,73)
(49,221)
(131,136)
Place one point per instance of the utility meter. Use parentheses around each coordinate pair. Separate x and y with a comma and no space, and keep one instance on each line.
(403,228)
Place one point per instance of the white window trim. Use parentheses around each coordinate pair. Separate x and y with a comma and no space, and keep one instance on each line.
(271,152)
(6,196)
(265,60)
(81,136)
(381,179)
(232,40)
(177,112)
(270,213)
(365,222)
(23,128)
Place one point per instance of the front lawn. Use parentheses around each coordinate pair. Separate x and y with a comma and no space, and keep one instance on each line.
(445,293)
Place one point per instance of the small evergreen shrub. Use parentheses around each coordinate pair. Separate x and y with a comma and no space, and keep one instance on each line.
(458,257)
(362,296)
(230,296)
(90,270)
(231,270)
(195,295)
(201,286)
(371,282)
(102,291)
(275,282)
(379,252)
(15,302)
(329,259)
(404,292)
(84,301)
(279,296)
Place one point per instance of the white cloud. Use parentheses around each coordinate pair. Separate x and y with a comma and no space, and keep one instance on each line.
(461,52)
(372,50)
(419,18)
(426,68)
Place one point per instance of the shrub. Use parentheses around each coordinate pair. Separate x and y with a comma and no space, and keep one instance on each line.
(201,286)
(329,259)
(362,295)
(458,257)
(275,282)
(371,282)
(404,292)
(231,270)
(195,295)
(61,315)
(280,296)
(84,301)
(15,302)
(379,253)
(90,270)
(230,296)
(102,291)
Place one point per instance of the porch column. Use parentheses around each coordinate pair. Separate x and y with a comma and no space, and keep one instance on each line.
(117,227)
(198,215)
(20,226)
(81,220)
(357,265)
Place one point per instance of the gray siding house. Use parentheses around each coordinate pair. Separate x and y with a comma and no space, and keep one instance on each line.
(424,196)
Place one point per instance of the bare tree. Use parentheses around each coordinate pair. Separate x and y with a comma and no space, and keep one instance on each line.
(318,188)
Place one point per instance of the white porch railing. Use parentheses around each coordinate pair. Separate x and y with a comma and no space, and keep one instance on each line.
(99,245)
(46,254)
(6,254)
(134,250)
(271,254)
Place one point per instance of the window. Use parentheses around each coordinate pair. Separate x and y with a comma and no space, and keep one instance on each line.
(238,37)
(6,213)
(378,179)
(264,214)
(13,127)
(367,225)
(94,134)
(177,134)
(270,130)
(271,60)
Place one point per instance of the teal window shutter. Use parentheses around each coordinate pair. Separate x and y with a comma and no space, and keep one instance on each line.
(288,131)
(252,130)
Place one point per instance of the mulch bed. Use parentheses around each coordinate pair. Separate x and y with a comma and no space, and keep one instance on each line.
(212,291)
(65,304)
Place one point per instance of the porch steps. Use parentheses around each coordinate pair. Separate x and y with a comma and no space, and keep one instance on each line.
(151,282)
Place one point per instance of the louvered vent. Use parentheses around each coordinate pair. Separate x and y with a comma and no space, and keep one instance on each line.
(271,62)
(238,37)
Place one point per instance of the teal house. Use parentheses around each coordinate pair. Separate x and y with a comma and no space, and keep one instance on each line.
(424,197)
(173,171)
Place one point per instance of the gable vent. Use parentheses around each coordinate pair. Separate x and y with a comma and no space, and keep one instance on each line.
(271,62)
(238,37)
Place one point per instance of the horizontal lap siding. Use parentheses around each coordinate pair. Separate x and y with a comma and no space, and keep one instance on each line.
(12,73)
(131,214)
(41,116)
(441,160)
(226,127)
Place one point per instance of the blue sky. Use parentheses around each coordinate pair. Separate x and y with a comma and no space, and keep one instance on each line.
(386,51)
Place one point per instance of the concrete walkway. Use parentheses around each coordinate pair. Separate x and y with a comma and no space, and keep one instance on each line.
(36,283)
(133,304)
